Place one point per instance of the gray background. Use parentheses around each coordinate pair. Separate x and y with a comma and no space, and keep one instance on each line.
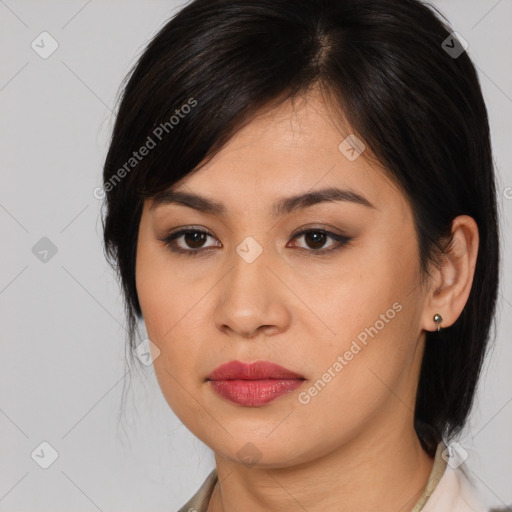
(62,358)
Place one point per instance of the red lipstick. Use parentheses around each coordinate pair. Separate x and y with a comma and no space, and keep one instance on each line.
(253,384)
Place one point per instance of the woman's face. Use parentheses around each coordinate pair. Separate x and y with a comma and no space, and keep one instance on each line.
(340,306)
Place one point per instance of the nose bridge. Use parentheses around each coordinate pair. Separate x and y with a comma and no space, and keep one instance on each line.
(251,297)
(249,273)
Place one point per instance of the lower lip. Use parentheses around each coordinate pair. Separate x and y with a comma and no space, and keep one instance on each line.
(253,393)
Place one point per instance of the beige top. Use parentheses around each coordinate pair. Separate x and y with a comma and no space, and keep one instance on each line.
(447,490)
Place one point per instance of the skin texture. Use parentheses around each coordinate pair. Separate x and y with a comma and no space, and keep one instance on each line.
(352,446)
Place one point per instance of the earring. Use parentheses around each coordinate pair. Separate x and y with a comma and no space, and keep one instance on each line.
(438,319)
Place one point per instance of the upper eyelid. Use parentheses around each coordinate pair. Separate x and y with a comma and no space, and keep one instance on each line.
(319,225)
(297,232)
(178,233)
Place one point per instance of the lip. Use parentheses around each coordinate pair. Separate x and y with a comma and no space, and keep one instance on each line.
(253,384)
(252,371)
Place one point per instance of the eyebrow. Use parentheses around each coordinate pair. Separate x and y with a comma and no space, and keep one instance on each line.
(281,207)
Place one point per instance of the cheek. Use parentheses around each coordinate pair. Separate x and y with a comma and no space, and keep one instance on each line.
(161,297)
(169,320)
(353,377)
(374,293)
(168,312)
(373,309)
(165,306)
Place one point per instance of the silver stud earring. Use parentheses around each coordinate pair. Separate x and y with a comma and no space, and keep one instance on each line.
(438,319)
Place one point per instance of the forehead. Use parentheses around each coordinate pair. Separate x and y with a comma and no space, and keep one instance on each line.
(289,151)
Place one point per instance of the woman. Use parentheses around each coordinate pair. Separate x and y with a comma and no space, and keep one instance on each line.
(301,207)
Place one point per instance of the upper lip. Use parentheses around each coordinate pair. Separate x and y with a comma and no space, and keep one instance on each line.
(251,371)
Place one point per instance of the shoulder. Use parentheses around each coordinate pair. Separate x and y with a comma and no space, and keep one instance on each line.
(454,493)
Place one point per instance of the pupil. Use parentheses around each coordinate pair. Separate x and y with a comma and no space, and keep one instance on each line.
(195,238)
(318,240)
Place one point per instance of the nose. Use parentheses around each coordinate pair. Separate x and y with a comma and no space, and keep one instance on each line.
(252,300)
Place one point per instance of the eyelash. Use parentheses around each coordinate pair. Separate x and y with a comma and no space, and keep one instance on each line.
(169,241)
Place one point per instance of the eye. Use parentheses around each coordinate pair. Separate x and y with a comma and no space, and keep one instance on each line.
(192,238)
(191,241)
(316,238)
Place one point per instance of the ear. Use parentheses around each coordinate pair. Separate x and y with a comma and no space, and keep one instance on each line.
(451,282)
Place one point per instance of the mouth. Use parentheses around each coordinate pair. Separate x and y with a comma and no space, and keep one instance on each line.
(253,384)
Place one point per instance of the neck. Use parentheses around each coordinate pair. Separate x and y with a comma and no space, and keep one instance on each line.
(376,471)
